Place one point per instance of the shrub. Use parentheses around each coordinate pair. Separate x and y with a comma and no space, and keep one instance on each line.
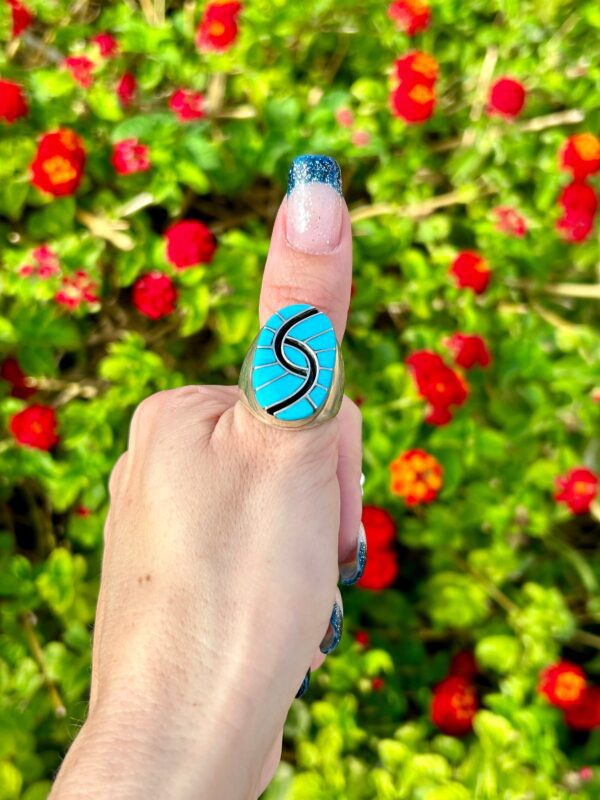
(467,139)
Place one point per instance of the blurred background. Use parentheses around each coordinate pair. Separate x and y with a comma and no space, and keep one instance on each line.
(144,149)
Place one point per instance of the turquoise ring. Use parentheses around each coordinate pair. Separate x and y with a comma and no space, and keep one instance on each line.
(293,373)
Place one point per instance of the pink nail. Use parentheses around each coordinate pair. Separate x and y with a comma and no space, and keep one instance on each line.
(314,205)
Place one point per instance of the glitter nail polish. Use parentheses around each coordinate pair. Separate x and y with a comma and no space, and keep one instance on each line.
(304,685)
(352,572)
(314,204)
(334,631)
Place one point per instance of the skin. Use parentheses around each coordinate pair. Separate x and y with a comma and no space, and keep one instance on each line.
(220,570)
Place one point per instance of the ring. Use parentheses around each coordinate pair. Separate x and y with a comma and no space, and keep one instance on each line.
(293,373)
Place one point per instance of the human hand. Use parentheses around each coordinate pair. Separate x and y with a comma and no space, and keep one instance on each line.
(222,551)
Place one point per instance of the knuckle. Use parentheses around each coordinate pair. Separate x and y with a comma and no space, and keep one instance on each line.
(309,288)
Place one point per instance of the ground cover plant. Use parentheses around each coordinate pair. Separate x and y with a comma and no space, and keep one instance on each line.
(143,153)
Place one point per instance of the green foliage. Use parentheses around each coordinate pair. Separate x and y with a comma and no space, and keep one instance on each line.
(493,565)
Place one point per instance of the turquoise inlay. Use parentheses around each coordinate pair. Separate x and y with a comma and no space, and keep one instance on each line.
(318,396)
(264,374)
(299,410)
(311,326)
(266,337)
(287,312)
(295,356)
(322,341)
(326,358)
(276,389)
(264,356)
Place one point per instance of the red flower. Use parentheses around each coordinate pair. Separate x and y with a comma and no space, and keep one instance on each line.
(380,528)
(417,68)
(381,570)
(35,426)
(129,156)
(410,16)
(107,45)
(218,28)
(414,103)
(454,706)
(81,69)
(464,665)
(468,350)
(438,383)
(377,684)
(579,196)
(344,117)
(11,372)
(575,226)
(46,264)
(187,105)
(126,89)
(154,295)
(577,489)
(509,221)
(21,17)
(507,97)
(563,684)
(416,477)
(362,638)
(77,289)
(189,242)
(580,155)
(585,715)
(13,104)
(471,271)
(59,162)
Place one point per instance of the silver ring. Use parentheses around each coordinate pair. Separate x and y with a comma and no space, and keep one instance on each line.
(293,373)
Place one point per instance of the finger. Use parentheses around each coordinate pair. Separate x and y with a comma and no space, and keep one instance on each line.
(318,660)
(310,257)
(351,547)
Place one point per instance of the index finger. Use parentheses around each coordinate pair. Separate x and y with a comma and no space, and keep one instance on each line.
(310,257)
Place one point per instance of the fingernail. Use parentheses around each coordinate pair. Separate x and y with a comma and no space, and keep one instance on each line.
(352,572)
(362,483)
(304,685)
(334,631)
(314,204)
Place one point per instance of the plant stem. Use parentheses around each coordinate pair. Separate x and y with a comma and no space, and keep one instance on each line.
(28,620)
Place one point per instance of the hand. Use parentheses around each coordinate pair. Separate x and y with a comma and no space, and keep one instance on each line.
(222,547)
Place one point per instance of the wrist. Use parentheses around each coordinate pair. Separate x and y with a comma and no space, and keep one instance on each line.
(131,753)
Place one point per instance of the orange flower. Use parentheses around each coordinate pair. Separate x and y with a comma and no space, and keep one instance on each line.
(580,155)
(59,162)
(417,67)
(563,684)
(416,477)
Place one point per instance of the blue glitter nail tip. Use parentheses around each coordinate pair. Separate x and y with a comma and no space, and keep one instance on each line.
(293,364)
(334,631)
(304,685)
(319,169)
(351,573)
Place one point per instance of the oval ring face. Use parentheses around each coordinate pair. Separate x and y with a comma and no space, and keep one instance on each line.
(294,362)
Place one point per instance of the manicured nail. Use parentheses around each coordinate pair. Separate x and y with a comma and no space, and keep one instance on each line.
(334,631)
(314,204)
(304,685)
(352,572)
